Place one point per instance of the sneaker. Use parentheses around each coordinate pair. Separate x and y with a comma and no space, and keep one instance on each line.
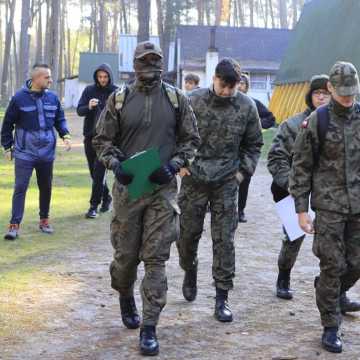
(45,227)
(105,206)
(13,232)
(242,217)
(91,213)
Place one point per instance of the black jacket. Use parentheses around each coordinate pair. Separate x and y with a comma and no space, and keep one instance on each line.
(266,116)
(97,92)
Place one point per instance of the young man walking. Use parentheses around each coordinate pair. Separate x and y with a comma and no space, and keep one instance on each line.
(326,164)
(91,103)
(146,114)
(231,140)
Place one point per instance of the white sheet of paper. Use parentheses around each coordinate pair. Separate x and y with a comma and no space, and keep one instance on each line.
(289,218)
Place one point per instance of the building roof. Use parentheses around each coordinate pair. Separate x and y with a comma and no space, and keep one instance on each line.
(249,45)
(90,61)
(326,32)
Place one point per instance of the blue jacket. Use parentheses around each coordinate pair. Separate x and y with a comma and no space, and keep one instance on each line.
(33,115)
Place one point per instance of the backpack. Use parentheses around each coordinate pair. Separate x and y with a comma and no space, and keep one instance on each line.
(170,91)
(323,117)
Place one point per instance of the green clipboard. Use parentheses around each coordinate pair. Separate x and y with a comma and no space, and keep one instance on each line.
(141,166)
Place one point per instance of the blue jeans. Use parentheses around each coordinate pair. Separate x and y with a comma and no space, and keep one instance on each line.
(23,172)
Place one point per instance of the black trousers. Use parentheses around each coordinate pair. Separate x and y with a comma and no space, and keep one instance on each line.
(23,172)
(100,190)
(243,193)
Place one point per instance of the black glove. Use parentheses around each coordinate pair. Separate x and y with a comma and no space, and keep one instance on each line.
(121,176)
(164,174)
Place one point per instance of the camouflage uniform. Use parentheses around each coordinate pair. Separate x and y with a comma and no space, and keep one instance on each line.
(279,165)
(330,171)
(143,230)
(231,140)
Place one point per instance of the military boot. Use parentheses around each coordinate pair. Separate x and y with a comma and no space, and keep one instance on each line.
(129,314)
(149,345)
(222,309)
(189,287)
(346,305)
(283,290)
(330,340)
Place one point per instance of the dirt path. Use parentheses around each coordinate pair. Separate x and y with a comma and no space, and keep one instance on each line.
(77,317)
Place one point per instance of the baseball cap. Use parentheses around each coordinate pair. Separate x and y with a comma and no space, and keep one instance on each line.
(344,78)
(145,48)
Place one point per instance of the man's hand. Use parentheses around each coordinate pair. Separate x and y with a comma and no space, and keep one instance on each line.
(184,172)
(306,223)
(93,103)
(121,176)
(164,174)
(67,143)
(8,154)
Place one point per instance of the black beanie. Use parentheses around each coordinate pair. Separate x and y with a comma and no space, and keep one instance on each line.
(317,82)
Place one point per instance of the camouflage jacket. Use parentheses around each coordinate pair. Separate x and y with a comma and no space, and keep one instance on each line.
(330,171)
(146,119)
(281,151)
(230,133)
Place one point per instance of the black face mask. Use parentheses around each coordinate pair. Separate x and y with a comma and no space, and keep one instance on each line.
(148,71)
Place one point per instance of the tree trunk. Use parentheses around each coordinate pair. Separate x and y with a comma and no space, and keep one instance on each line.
(47,32)
(10,8)
(294,12)
(251,7)
(143,7)
(160,22)
(39,40)
(271,10)
(24,42)
(115,34)
(217,12)
(283,14)
(241,12)
(124,17)
(54,41)
(102,27)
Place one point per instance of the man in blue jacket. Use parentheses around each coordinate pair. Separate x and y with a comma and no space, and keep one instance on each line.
(33,113)
(90,105)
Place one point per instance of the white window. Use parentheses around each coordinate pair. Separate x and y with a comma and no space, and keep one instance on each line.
(258,81)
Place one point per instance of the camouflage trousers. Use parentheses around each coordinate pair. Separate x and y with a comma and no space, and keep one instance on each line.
(289,252)
(143,230)
(193,201)
(337,245)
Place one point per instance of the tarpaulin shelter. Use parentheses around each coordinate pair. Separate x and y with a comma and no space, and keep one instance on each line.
(327,31)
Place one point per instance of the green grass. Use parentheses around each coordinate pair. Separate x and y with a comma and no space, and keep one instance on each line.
(268,136)
(71,191)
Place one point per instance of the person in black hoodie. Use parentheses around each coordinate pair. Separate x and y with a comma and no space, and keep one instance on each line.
(267,120)
(91,103)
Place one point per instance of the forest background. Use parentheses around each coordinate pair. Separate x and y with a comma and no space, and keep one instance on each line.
(56,31)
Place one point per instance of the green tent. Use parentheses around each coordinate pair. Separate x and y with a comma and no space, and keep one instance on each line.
(326,32)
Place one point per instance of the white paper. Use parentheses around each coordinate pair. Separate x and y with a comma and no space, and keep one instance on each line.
(289,218)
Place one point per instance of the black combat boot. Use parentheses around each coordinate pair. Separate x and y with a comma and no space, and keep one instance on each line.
(129,313)
(222,309)
(283,290)
(330,340)
(346,305)
(149,345)
(189,287)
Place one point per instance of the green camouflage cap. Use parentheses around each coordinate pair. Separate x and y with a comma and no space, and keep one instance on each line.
(145,48)
(344,78)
